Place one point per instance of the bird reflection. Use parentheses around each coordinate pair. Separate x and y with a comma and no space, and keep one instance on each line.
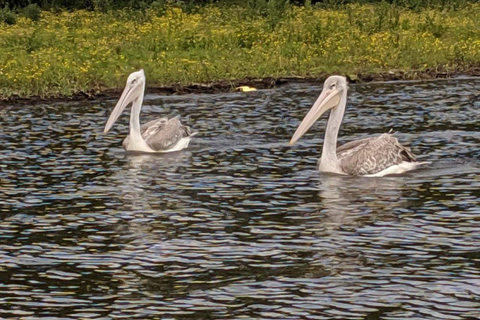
(143,173)
(149,163)
(347,205)
(351,200)
(142,185)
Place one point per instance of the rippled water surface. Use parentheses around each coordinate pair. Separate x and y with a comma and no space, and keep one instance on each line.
(241,225)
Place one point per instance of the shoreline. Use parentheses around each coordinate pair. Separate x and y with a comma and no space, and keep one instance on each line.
(223,86)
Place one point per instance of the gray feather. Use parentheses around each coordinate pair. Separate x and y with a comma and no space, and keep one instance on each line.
(372,155)
(162,134)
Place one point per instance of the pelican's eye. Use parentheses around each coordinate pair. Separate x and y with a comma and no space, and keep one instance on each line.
(332,86)
(134,81)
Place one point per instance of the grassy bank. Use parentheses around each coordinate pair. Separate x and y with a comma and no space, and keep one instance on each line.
(68,52)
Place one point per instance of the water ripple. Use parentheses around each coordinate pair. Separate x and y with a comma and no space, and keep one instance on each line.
(241,225)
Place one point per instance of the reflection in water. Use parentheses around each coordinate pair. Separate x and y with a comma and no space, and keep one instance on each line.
(241,225)
(345,199)
(141,172)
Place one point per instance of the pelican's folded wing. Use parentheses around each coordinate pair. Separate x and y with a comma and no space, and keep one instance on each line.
(163,134)
(372,155)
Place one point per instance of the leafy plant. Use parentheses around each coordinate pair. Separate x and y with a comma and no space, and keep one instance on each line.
(434,25)
(7,16)
(32,11)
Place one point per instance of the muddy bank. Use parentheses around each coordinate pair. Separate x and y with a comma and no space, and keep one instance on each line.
(232,85)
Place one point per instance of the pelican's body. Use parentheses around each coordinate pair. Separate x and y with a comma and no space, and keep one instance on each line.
(161,135)
(374,156)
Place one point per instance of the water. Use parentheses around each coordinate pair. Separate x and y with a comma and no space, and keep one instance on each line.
(241,225)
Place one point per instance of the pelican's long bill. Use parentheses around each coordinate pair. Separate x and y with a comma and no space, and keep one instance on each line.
(129,94)
(329,98)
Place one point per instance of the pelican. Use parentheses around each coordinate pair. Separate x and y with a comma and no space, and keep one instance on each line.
(161,135)
(373,156)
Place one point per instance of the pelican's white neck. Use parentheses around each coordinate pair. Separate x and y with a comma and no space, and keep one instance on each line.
(329,161)
(137,143)
(135,115)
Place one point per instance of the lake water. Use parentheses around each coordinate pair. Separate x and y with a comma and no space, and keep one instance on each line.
(241,225)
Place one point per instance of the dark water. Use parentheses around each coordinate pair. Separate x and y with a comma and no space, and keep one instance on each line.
(241,226)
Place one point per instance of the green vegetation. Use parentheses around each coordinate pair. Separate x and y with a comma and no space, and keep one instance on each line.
(47,54)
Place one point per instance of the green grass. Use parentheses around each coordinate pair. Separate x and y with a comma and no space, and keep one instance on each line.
(69,52)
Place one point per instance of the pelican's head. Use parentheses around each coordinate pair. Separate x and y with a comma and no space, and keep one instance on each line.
(333,88)
(133,90)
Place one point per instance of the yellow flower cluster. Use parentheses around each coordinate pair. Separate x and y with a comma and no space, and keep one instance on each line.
(72,51)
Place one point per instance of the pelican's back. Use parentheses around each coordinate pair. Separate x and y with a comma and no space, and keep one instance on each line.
(162,134)
(372,155)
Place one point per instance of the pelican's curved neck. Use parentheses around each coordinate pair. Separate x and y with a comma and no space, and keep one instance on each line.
(136,140)
(135,115)
(329,161)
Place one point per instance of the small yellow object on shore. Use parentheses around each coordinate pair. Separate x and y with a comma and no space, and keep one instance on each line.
(246,88)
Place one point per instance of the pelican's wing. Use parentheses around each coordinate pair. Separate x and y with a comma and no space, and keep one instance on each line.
(163,134)
(372,155)
(352,145)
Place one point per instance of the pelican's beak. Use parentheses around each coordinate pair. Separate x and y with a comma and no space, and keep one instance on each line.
(328,99)
(129,94)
